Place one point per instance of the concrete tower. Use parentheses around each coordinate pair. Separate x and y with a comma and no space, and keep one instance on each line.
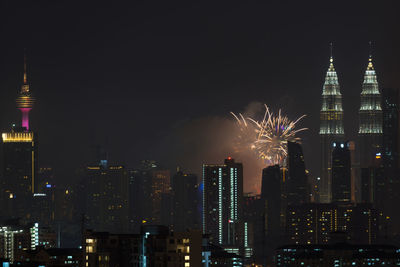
(25,100)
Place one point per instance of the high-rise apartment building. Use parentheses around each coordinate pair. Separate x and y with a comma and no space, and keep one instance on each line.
(331,128)
(253,225)
(222,202)
(314,223)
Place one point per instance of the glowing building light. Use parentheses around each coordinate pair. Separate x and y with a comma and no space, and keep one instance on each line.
(14,137)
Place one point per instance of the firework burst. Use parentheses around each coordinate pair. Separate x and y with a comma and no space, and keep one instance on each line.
(268,137)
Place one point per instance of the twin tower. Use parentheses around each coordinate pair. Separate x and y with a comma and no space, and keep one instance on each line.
(331,124)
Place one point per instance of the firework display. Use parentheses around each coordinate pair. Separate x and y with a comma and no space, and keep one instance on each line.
(267,137)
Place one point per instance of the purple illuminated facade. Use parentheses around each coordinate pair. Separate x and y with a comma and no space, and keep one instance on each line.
(25,100)
(25,117)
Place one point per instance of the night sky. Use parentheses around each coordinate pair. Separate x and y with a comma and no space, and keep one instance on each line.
(157,80)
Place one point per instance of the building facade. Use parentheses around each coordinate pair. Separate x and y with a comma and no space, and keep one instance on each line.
(337,255)
(314,223)
(154,246)
(107,194)
(390,129)
(297,189)
(222,202)
(186,202)
(341,172)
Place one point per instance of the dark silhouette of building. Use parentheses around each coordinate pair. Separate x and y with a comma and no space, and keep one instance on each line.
(150,196)
(253,218)
(42,209)
(107,205)
(373,186)
(140,181)
(160,197)
(185,190)
(355,173)
(222,203)
(341,172)
(390,128)
(390,156)
(273,207)
(296,184)
(42,256)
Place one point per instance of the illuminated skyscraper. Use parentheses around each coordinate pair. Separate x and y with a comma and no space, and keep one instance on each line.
(370,127)
(20,160)
(222,202)
(331,128)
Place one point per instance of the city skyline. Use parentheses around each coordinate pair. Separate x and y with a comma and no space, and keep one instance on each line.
(25,99)
(75,69)
(144,134)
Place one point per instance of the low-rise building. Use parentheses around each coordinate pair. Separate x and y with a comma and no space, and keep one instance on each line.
(340,254)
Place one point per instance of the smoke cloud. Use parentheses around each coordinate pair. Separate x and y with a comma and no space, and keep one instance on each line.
(210,140)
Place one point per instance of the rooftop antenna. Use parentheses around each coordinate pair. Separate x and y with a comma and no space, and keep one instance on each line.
(331,67)
(370,51)
(25,76)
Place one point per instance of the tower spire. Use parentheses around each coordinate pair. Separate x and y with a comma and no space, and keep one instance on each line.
(370,66)
(25,76)
(25,85)
(370,49)
(331,67)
